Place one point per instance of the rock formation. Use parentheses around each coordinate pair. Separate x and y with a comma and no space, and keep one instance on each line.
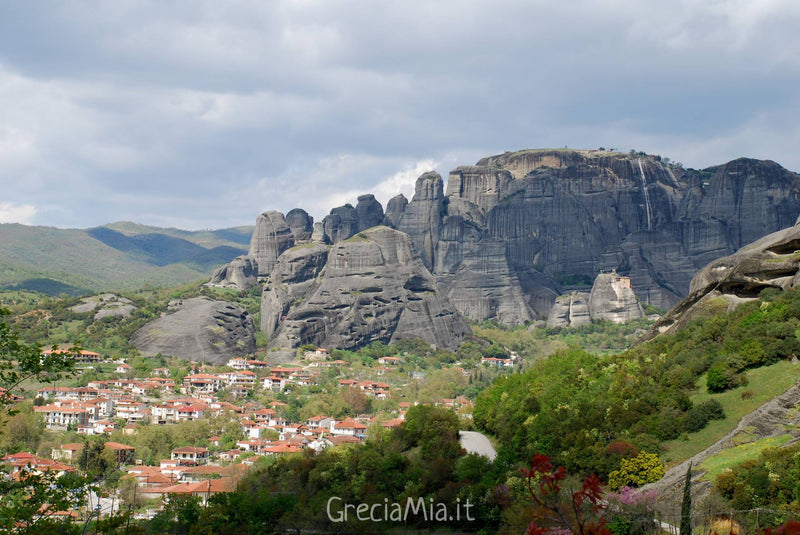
(300,223)
(422,217)
(770,262)
(199,329)
(372,288)
(570,310)
(394,210)
(271,237)
(516,228)
(241,273)
(340,224)
(611,299)
(370,212)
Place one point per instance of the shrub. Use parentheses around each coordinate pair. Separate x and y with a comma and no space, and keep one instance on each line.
(642,469)
(716,380)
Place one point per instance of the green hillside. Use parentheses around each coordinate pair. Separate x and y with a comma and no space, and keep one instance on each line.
(114,257)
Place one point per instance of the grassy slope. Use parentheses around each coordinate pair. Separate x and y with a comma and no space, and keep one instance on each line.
(737,455)
(765,383)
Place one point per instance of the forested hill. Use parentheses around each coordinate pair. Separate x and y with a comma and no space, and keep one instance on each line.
(112,257)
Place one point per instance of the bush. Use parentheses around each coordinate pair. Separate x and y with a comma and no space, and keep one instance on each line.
(716,380)
(700,415)
(642,469)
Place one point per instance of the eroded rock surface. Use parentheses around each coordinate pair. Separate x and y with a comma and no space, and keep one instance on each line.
(770,262)
(372,288)
(199,329)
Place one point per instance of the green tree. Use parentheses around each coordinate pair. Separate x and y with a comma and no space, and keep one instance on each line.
(686,505)
(26,499)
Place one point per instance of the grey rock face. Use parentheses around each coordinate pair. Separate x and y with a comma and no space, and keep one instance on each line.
(370,212)
(570,213)
(371,288)
(515,226)
(340,224)
(612,299)
(481,186)
(291,278)
(105,306)
(241,273)
(571,310)
(200,329)
(480,284)
(422,217)
(271,237)
(770,262)
(394,210)
(300,223)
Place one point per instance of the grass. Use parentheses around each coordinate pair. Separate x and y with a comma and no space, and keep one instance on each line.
(734,456)
(765,383)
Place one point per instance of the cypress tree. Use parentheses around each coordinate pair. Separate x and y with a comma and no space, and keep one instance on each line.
(686,506)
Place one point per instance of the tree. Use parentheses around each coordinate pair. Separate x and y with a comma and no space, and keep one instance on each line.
(686,506)
(642,469)
(28,501)
(544,483)
(20,361)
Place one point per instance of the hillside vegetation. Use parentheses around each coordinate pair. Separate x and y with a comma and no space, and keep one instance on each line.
(587,410)
(121,256)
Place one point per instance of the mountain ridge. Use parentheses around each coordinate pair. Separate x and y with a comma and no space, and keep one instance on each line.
(111,257)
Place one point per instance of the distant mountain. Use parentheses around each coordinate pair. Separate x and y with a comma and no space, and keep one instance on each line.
(112,257)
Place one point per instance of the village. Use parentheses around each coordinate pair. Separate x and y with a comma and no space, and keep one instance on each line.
(253,393)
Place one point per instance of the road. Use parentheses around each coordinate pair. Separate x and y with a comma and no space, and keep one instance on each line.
(475,442)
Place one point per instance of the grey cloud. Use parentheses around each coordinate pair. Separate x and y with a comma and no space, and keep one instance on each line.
(155,111)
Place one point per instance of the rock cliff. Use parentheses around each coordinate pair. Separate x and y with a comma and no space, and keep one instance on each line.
(199,329)
(511,231)
(372,288)
(612,299)
(770,262)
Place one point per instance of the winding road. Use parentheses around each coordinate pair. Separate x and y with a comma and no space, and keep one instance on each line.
(475,442)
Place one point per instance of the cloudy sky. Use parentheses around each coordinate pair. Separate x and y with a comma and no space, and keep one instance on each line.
(203,114)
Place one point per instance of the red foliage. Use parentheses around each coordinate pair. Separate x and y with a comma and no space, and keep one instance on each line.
(546,496)
(620,449)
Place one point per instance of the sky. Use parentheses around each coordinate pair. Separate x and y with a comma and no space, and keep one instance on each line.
(204,114)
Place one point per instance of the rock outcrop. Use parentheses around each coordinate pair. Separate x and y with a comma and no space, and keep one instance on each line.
(290,280)
(105,306)
(515,229)
(612,299)
(570,310)
(395,210)
(372,288)
(300,223)
(422,218)
(770,262)
(341,224)
(370,212)
(241,273)
(199,329)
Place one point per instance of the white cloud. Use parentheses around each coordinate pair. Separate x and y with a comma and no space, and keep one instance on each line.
(17,213)
(402,181)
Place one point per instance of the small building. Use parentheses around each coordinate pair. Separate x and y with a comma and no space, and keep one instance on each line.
(190,456)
